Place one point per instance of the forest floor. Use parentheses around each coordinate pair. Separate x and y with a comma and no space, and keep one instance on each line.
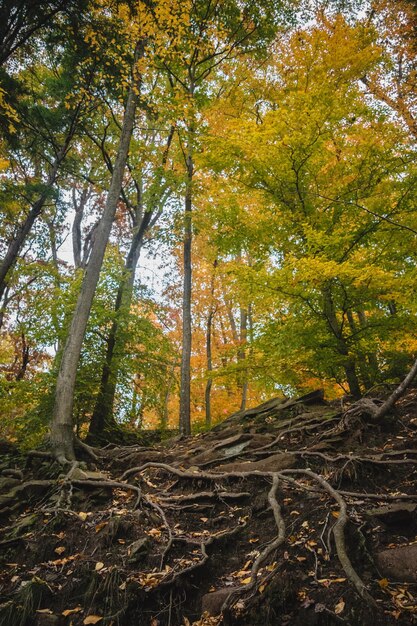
(297,512)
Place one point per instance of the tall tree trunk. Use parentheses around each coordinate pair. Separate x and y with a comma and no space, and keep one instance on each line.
(62,425)
(242,357)
(102,419)
(185,386)
(209,356)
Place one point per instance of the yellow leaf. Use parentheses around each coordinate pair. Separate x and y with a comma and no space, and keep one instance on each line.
(92,619)
(82,516)
(383,583)
(60,550)
(99,566)
(246,581)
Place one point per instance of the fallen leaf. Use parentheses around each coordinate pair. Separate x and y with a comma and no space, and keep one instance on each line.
(71,611)
(335,513)
(99,566)
(100,526)
(246,581)
(92,619)
(383,583)
(82,516)
(204,519)
(45,611)
(340,606)
(60,550)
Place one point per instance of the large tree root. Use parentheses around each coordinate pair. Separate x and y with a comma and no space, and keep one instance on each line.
(338,533)
(286,475)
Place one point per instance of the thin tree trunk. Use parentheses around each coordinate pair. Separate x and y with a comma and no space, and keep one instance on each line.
(15,245)
(79,206)
(242,357)
(185,386)
(62,424)
(341,345)
(397,393)
(362,366)
(170,382)
(209,355)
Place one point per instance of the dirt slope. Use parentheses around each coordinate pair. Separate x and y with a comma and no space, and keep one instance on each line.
(295,512)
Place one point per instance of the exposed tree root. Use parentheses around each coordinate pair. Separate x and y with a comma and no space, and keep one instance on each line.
(338,532)
(273,545)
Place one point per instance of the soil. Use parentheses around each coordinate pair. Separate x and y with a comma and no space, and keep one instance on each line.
(237,526)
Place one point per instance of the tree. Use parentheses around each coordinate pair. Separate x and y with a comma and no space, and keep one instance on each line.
(61,426)
(322,170)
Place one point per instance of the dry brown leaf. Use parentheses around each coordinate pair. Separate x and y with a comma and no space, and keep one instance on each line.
(330,581)
(340,606)
(383,583)
(92,619)
(100,526)
(60,549)
(71,611)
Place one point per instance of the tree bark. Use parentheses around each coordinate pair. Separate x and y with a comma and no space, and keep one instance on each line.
(185,385)
(62,424)
(242,356)
(397,393)
(209,355)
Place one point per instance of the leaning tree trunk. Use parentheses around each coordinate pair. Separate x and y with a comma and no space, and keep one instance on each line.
(24,229)
(102,419)
(62,426)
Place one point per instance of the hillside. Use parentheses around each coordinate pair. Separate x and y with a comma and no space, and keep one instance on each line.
(295,512)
